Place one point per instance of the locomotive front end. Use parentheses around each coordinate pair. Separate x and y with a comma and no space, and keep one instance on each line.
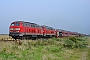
(15,29)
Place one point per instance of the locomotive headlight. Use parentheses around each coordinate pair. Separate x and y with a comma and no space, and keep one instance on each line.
(10,31)
(17,28)
(11,28)
(17,31)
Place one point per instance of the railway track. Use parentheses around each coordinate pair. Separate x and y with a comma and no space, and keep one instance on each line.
(7,40)
(10,39)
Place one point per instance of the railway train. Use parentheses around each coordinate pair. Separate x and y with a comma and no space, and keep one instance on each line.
(27,30)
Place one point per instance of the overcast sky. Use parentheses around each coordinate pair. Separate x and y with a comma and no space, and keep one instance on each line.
(71,15)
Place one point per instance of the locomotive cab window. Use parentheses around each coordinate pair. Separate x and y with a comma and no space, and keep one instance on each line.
(12,24)
(17,24)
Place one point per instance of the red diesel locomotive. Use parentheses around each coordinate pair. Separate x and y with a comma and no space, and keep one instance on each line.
(28,30)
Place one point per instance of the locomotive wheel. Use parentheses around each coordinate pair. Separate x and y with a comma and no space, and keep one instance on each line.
(14,37)
(24,38)
(21,38)
(34,38)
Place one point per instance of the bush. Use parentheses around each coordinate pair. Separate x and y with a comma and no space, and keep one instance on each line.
(79,42)
(73,38)
(69,43)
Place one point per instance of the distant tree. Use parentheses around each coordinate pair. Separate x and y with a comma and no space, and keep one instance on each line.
(89,35)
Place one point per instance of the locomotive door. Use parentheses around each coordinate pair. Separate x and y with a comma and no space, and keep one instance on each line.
(25,28)
(57,33)
(60,33)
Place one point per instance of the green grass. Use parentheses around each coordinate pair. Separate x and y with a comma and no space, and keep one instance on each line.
(88,56)
(51,49)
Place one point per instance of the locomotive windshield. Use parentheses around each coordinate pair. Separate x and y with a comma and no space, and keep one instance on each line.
(15,24)
(12,24)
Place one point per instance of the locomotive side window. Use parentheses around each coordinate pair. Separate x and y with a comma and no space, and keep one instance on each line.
(37,26)
(25,24)
(29,25)
(32,25)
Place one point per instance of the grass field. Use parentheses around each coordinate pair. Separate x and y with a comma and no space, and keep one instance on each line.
(51,49)
(5,37)
(88,56)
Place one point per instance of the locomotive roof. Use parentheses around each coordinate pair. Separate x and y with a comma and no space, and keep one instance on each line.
(18,21)
(32,23)
(27,22)
(47,27)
